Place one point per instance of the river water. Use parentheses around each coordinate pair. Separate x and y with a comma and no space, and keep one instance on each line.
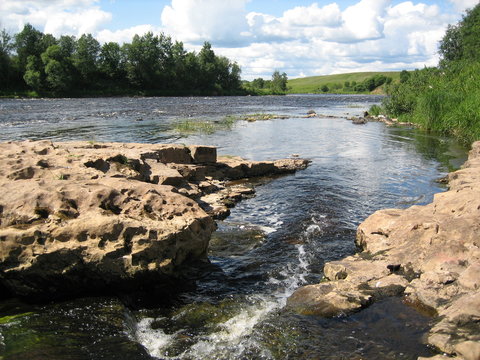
(269,246)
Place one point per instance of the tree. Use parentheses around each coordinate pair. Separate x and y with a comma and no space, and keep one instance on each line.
(143,61)
(206,60)
(279,82)
(57,70)
(6,44)
(111,61)
(28,43)
(68,45)
(47,41)
(235,82)
(6,70)
(167,66)
(179,73)
(470,34)
(34,75)
(451,45)
(360,87)
(379,80)
(462,41)
(85,59)
(404,76)
(258,83)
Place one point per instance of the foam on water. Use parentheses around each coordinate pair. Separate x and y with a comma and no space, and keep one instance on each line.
(153,339)
(234,337)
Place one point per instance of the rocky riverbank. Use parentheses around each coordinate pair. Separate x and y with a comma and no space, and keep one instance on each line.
(429,254)
(80,217)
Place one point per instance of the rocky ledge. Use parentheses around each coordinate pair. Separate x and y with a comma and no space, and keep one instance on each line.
(429,254)
(82,217)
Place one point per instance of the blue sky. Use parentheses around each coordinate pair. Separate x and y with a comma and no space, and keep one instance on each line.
(128,13)
(300,37)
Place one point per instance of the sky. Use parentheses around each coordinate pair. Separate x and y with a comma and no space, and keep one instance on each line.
(298,37)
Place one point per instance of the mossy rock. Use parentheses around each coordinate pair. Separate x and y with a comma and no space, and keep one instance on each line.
(78,329)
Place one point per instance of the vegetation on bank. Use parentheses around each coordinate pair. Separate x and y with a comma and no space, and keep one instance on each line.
(276,86)
(37,64)
(350,83)
(445,98)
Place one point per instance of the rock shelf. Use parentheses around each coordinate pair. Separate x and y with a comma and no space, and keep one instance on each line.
(81,217)
(429,254)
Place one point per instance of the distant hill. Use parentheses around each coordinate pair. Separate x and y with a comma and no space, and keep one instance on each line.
(336,83)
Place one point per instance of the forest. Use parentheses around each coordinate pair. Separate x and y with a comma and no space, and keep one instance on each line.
(36,64)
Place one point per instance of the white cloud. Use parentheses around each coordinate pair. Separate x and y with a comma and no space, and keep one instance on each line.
(125,35)
(379,37)
(462,5)
(362,21)
(84,22)
(56,17)
(371,35)
(199,20)
(312,15)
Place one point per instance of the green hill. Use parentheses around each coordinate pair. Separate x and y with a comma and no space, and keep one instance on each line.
(339,83)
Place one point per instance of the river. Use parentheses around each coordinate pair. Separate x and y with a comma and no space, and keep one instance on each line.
(269,246)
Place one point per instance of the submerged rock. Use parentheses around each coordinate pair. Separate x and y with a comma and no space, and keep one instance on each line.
(83,217)
(359,120)
(431,254)
(87,328)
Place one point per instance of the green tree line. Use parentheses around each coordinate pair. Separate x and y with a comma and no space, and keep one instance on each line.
(445,98)
(276,86)
(364,86)
(38,63)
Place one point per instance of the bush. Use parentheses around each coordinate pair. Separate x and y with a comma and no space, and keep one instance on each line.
(375,110)
(444,100)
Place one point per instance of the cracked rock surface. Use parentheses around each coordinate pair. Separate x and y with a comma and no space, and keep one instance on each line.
(77,217)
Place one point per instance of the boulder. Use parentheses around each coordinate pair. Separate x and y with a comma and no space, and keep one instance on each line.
(359,121)
(430,253)
(328,299)
(80,217)
(203,154)
(73,237)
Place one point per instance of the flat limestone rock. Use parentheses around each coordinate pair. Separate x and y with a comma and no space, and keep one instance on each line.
(430,253)
(80,217)
(328,299)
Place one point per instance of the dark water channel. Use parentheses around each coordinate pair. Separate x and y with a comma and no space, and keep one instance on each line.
(269,246)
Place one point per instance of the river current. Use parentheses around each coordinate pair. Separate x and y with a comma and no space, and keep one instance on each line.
(269,246)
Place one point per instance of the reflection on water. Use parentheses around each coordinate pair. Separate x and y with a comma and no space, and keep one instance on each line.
(278,240)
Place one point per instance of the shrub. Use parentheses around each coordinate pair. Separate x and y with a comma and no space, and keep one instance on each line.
(375,110)
(444,100)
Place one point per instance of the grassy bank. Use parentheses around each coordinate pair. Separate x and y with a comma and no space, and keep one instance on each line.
(339,83)
(445,99)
